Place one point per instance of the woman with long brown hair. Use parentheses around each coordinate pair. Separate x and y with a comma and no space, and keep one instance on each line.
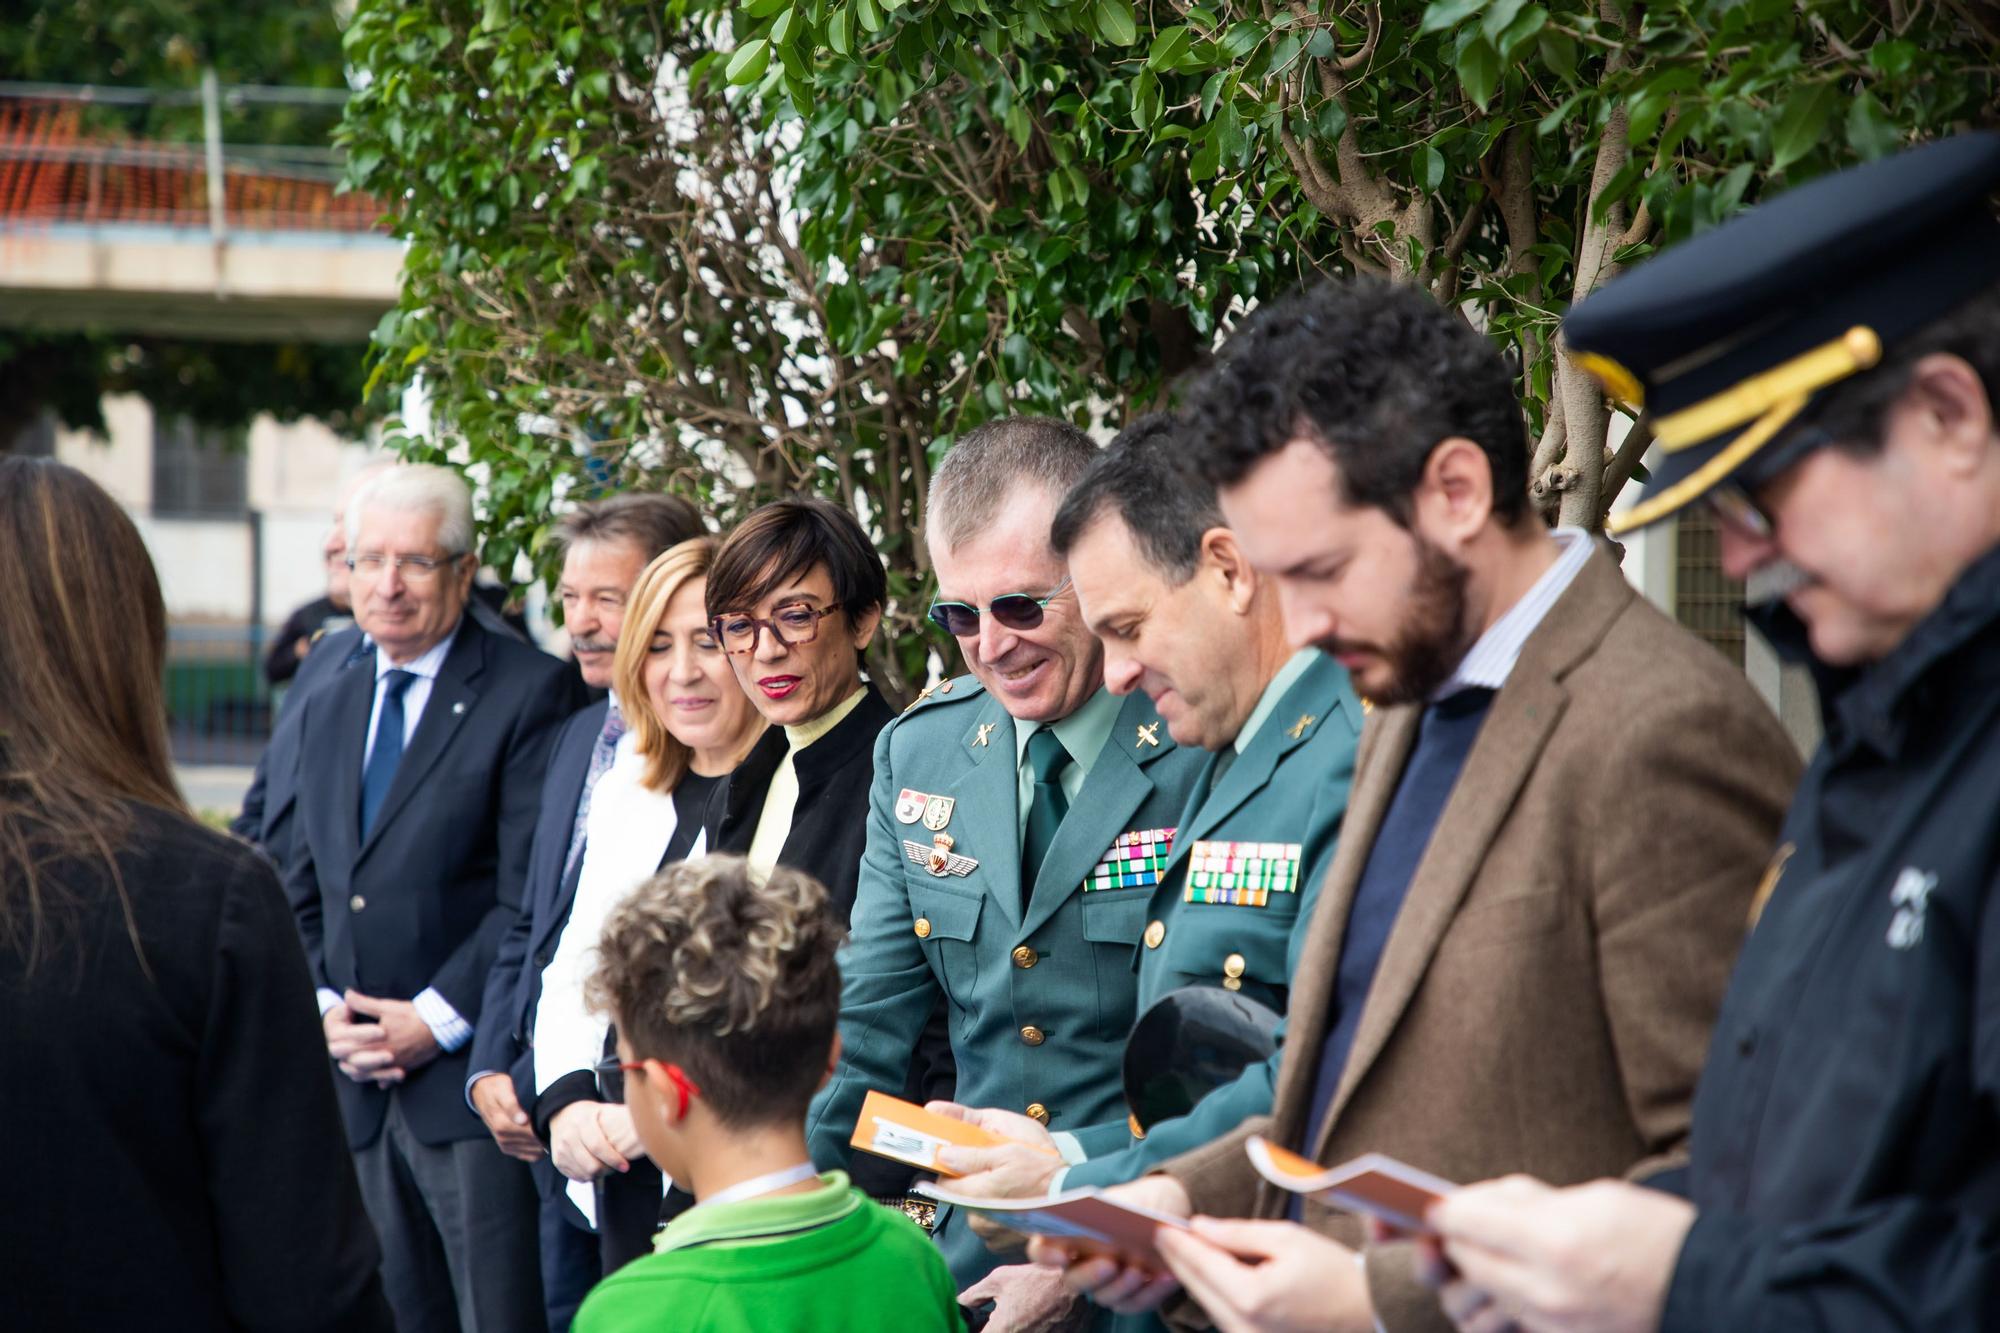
(175,1156)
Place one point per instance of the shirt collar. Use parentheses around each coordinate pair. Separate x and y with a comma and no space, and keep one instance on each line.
(427,665)
(1082,733)
(805,733)
(1267,702)
(1491,659)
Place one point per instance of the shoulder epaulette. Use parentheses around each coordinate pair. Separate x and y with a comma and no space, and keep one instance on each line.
(951,688)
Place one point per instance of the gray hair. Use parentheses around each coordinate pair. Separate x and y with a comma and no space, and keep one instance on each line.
(982,470)
(1144,479)
(418,486)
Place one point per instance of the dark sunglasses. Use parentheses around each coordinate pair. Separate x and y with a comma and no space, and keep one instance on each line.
(1015,610)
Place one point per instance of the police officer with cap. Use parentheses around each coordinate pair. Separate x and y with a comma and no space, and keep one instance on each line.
(1824,374)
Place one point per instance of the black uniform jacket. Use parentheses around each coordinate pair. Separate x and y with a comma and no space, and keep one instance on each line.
(1846,1148)
(426,898)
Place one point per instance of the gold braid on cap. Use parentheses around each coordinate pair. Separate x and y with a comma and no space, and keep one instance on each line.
(1768,401)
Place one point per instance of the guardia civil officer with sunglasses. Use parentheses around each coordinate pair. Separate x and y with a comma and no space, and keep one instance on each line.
(1018,820)
(1823,372)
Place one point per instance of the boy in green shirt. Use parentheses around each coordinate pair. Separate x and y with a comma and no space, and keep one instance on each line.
(726,998)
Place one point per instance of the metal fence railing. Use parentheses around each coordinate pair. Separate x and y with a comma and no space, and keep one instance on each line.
(73,153)
(219,705)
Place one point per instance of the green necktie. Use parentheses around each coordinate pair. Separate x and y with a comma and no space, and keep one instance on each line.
(1046,805)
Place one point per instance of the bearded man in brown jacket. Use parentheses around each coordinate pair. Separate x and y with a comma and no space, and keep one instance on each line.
(1562,806)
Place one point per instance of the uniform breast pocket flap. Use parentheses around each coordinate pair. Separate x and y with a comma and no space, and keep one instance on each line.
(1114,918)
(943,915)
(1220,942)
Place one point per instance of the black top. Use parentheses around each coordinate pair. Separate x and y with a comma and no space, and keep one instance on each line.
(1846,1141)
(692,799)
(176,1158)
(830,822)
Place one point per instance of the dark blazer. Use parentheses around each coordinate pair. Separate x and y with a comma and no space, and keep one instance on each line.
(830,822)
(203,1186)
(426,899)
(266,815)
(514,986)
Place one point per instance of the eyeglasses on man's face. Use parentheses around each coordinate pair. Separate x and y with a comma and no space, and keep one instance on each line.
(791,626)
(1015,610)
(412,568)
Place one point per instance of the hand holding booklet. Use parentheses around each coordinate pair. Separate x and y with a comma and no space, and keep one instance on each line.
(1372,1184)
(905,1132)
(1086,1220)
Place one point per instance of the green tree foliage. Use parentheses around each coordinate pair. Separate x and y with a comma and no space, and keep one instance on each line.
(741,248)
(163,45)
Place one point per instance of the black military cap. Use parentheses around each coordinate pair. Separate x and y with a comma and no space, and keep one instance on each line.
(1187,1044)
(1728,338)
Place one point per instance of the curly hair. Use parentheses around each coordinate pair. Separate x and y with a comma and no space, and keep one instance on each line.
(733,981)
(1376,373)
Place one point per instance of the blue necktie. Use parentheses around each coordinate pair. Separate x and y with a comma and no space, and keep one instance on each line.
(388,751)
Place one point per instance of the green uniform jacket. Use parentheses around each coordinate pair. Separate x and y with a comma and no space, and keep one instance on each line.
(1039,1003)
(1288,786)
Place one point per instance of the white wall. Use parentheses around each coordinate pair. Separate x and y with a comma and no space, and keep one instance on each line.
(293,475)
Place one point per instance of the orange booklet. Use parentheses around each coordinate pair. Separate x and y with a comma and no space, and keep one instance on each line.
(1378,1186)
(905,1132)
(1085,1219)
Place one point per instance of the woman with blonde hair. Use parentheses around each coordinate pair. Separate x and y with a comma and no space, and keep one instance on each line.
(177,1153)
(688,725)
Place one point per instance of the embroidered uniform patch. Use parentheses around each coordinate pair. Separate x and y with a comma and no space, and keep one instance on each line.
(1134,861)
(1241,874)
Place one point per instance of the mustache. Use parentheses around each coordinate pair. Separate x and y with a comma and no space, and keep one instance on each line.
(593,645)
(1768,583)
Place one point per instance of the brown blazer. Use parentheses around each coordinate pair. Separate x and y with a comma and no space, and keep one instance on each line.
(1544,1000)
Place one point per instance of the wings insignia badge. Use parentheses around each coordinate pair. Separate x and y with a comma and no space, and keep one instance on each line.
(939,858)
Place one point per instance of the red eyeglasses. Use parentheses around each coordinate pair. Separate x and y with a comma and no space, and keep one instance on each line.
(685,1088)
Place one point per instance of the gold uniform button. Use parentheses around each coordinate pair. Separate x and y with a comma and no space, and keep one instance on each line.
(1026,957)
(1232,966)
(1032,1035)
(923,927)
(356,903)
(1037,1111)
(1155,933)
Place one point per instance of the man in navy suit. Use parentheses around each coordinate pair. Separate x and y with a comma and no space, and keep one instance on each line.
(605,545)
(405,865)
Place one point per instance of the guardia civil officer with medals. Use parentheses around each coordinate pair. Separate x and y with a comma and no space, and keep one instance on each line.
(1184,619)
(1824,373)
(1018,821)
